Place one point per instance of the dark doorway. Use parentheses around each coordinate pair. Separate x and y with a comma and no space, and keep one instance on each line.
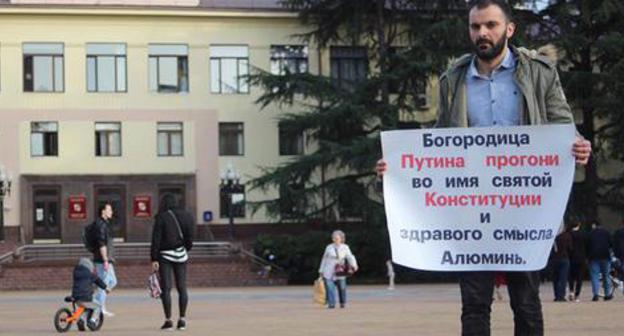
(46,213)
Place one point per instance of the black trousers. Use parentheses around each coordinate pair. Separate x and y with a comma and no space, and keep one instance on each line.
(575,281)
(477,289)
(167,271)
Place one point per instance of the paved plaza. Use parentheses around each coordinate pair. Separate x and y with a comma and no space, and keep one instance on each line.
(279,311)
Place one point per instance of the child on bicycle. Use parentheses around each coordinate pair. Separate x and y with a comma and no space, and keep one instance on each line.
(84,277)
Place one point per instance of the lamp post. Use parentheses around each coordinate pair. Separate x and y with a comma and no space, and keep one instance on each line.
(230,185)
(5,190)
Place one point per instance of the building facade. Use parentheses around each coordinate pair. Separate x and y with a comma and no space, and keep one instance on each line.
(125,101)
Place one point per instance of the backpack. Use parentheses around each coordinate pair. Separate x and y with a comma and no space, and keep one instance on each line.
(88,237)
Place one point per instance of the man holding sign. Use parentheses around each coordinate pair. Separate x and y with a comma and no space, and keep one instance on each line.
(486,199)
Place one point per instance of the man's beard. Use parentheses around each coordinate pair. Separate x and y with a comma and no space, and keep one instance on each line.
(492,52)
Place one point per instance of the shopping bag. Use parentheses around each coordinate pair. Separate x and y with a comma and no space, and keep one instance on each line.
(319,291)
(153,286)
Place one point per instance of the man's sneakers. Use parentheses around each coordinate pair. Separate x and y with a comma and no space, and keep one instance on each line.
(595,298)
(608,297)
(168,326)
(107,313)
(181,324)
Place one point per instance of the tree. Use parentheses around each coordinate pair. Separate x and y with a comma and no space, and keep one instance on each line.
(406,43)
(590,37)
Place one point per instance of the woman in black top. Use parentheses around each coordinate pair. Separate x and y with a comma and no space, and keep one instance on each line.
(172,238)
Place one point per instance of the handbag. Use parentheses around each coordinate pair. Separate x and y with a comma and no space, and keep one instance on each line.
(153,286)
(343,268)
(319,291)
(178,255)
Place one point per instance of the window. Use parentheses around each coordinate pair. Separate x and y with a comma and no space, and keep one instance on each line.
(348,65)
(170,139)
(290,141)
(43,139)
(291,58)
(231,139)
(106,67)
(43,67)
(228,66)
(108,139)
(238,208)
(168,68)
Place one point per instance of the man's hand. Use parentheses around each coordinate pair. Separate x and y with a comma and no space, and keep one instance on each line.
(155,266)
(581,150)
(380,168)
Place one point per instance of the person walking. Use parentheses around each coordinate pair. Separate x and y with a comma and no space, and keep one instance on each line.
(501,85)
(562,248)
(172,238)
(599,255)
(618,251)
(578,262)
(391,274)
(336,255)
(104,254)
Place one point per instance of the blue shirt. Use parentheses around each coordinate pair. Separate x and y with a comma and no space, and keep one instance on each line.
(493,100)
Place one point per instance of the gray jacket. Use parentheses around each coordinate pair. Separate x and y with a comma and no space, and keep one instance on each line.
(536,76)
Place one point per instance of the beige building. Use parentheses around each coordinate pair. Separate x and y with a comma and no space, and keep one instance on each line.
(126,101)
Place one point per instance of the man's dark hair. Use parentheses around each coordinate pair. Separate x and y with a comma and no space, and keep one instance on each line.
(597,222)
(502,4)
(167,202)
(103,206)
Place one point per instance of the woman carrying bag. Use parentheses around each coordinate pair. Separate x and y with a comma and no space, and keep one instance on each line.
(338,262)
(172,238)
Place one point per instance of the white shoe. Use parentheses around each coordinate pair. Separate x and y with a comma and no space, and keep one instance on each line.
(107,313)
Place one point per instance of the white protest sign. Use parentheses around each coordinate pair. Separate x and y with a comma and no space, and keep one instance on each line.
(475,199)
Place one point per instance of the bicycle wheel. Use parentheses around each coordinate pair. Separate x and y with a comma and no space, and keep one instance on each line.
(99,321)
(60,320)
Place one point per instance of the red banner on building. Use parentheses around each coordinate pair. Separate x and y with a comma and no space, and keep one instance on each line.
(77,207)
(142,206)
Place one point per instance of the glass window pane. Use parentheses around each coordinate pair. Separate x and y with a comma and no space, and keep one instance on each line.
(229,75)
(276,67)
(44,127)
(168,49)
(176,143)
(215,71)
(121,74)
(243,70)
(168,74)
(183,74)
(103,144)
(36,144)
(303,66)
(229,51)
(153,74)
(43,48)
(91,74)
(170,126)
(114,139)
(106,73)
(107,126)
(106,49)
(239,143)
(42,69)
(58,74)
(163,144)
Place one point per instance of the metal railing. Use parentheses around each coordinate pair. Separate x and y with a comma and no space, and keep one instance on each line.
(123,251)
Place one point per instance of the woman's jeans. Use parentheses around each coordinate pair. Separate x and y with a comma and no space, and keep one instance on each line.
(330,289)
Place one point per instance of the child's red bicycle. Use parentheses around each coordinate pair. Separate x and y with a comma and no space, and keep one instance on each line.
(64,317)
